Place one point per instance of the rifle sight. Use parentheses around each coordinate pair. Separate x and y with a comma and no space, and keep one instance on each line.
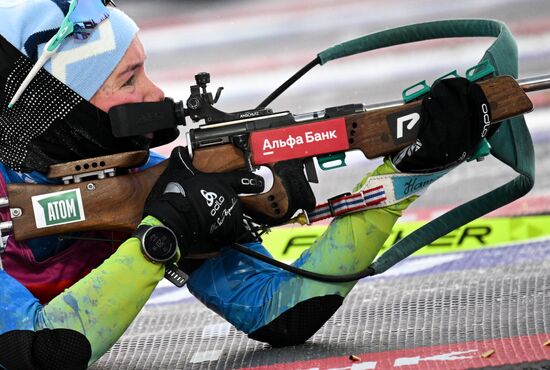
(136,119)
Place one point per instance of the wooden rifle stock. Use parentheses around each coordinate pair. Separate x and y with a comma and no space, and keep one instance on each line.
(116,203)
(371,131)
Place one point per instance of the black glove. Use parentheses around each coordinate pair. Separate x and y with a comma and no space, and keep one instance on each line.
(202,209)
(453,121)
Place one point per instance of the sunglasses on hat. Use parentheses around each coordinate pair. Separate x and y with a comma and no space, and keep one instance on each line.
(82,17)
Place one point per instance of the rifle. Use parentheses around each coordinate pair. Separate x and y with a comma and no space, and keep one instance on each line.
(95,196)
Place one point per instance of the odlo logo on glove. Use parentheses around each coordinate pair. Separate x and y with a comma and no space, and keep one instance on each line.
(486,120)
(204,212)
(209,196)
(213,201)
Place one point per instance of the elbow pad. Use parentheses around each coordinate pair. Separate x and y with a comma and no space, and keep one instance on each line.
(44,349)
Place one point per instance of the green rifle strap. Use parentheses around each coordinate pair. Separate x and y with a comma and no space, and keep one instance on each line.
(421,32)
(511,144)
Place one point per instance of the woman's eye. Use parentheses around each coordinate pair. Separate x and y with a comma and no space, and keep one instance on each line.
(130,81)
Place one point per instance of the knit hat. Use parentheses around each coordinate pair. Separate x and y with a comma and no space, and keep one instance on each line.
(84,59)
(53,120)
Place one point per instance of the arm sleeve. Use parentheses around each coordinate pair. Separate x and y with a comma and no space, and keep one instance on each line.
(252,294)
(99,307)
(105,302)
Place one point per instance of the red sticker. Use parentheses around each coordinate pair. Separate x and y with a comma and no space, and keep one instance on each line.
(299,141)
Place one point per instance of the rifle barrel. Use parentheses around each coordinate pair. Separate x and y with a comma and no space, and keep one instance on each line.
(536,83)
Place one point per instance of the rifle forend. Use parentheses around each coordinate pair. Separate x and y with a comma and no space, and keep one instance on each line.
(116,202)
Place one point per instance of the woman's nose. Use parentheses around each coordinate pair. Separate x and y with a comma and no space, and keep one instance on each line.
(154,93)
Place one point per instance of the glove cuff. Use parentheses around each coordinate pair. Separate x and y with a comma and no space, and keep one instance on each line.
(150,221)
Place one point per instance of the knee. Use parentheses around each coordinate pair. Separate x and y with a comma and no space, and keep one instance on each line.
(299,323)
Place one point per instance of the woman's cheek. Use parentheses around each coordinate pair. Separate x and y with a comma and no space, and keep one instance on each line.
(128,97)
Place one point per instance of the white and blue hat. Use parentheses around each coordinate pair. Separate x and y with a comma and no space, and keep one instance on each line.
(85,59)
(45,113)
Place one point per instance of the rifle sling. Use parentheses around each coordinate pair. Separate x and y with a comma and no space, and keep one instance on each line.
(511,144)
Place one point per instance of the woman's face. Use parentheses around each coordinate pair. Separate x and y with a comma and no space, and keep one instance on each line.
(128,83)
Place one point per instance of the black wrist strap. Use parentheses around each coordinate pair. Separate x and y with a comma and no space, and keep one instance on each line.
(175,275)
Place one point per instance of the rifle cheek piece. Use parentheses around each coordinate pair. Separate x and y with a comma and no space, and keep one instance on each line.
(137,119)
